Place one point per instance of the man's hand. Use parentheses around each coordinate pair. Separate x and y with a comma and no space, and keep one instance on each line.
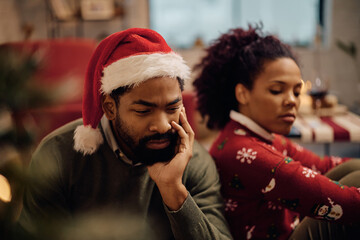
(168,176)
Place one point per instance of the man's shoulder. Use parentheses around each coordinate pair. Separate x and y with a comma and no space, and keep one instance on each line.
(61,136)
(201,172)
(64,130)
(199,149)
(201,157)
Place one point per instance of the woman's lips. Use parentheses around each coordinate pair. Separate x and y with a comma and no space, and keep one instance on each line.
(158,144)
(289,118)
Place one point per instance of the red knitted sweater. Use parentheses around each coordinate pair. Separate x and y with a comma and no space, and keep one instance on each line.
(269,183)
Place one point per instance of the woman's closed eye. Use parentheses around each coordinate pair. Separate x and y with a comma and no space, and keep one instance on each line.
(296,94)
(297,91)
(275,92)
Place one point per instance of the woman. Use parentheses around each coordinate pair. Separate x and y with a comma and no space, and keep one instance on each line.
(249,87)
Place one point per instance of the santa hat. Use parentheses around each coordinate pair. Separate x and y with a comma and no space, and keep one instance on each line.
(125,58)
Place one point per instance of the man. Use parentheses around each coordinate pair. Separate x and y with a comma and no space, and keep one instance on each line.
(135,153)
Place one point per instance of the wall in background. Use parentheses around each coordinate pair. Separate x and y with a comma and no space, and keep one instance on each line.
(345,70)
(9,22)
(340,68)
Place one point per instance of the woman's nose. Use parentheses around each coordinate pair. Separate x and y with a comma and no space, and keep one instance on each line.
(290,99)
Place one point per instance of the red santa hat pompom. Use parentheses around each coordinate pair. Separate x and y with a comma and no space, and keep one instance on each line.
(125,58)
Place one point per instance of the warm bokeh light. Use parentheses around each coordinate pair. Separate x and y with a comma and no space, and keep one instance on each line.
(5,189)
(308,85)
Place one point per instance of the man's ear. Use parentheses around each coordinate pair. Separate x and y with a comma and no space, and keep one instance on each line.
(108,106)
(242,94)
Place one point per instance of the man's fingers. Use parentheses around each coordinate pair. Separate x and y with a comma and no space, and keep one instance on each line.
(181,131)
(184,112)
(185,124)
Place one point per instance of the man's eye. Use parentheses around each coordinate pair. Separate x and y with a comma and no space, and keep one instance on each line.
(142,111)
(297,94)
(174,109)
(275,92)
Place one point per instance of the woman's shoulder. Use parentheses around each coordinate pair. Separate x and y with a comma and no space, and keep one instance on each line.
(239,141)
(236,137)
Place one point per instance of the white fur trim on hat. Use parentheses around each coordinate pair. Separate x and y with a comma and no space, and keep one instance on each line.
(87,139)
(135,69)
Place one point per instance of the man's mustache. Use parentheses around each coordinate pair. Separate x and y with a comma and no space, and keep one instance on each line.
(158,136)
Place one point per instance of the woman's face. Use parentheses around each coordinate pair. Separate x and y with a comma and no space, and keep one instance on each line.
(274,99)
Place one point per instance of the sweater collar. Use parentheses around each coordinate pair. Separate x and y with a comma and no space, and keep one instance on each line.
(251,125)
(110,138)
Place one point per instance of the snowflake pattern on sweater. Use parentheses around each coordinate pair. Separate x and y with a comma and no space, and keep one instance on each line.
(246,155)
(267,184)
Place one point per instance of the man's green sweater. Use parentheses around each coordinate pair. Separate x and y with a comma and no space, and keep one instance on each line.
(73,185)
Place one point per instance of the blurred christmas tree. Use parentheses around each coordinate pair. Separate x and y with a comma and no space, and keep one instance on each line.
(18,93)
(12,181)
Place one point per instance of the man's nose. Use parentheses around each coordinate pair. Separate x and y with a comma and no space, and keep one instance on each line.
(161,123)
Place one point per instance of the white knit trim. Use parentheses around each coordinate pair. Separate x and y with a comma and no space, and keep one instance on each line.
(87,139)
(135,69)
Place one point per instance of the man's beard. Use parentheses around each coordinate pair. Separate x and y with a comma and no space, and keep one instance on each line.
(149,156)
(143,154)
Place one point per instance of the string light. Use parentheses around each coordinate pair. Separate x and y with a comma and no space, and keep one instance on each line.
(5,189)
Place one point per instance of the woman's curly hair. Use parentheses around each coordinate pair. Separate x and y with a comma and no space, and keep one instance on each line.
(236,57)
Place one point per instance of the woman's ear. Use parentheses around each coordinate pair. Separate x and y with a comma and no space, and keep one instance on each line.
(108,106)
(242,94)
